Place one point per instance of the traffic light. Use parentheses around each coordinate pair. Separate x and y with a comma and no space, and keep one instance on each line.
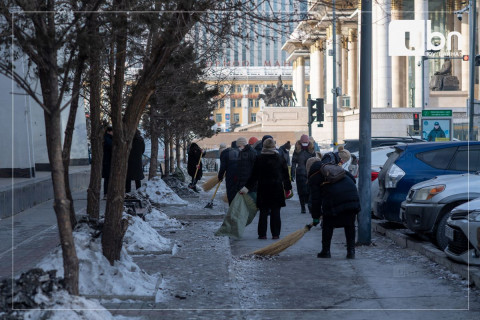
(416,121)
(465,57)
(320,110)
(312,111)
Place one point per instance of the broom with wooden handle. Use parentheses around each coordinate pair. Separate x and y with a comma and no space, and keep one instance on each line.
(282,244)
(210,183)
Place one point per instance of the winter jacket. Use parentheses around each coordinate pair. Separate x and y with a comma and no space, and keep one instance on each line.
(332,199)
(238,165)
(282,151)
(135,166)
(435,133)
(270,173)
(107,155)
(193,157)
(299,170)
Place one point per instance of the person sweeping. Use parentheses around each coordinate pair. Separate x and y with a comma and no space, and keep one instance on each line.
(194,165)
(270,174)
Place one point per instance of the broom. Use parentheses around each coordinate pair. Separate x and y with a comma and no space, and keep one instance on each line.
(210,183)
(282,244)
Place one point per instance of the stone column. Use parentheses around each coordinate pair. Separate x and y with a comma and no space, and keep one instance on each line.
(316,70)
(245,107)
(399,79)
(465,50)
(300,75)
(384,72)
(329,67)
(421,13)
(352,68)
(457,26)
(344,66)
(294,77)
(228,102)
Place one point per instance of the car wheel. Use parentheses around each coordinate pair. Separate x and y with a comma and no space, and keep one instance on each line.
(440,239)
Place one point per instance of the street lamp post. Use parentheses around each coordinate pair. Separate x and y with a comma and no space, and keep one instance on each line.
(472,15)
(334,89)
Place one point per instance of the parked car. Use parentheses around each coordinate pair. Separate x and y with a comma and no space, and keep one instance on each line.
(417,162)
(353,145)
(429,203)
(463,233)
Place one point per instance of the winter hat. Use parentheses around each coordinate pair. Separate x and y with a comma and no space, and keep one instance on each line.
(252,140)
(304,140)
(344,154)
(287,145)
(234,144)
(265,137)
(268,146)
(310,162)
(241,142)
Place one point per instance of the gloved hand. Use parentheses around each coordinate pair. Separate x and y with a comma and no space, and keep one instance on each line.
(243,190)
(315,222)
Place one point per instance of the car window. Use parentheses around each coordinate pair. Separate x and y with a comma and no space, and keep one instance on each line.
(460,161)
(439,158)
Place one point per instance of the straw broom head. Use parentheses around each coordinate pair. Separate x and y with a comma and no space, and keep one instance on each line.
(225,198)
(282,244)
(210,183)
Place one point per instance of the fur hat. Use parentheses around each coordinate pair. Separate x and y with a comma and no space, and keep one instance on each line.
(265,137)
(252,140)
(269,144)
(241,141)
(304,139)
(310,162)
(343,154)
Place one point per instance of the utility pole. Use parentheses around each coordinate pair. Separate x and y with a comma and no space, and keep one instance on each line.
(365,150)
(334,90)
(472,16)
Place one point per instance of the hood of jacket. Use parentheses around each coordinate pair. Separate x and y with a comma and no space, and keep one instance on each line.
(298,147)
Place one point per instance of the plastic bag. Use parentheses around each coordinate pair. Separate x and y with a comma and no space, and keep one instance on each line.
(241,213)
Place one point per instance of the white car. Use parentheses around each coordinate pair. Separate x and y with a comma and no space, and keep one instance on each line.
(463,233)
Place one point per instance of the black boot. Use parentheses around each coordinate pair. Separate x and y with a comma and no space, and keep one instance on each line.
(325,253)
(351,253)
(303,209)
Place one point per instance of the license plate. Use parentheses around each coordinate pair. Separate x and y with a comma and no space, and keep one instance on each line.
(449,232)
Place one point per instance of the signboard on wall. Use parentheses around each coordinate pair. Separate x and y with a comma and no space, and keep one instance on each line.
(437,125)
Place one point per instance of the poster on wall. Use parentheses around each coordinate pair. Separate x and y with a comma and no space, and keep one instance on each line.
(436,129)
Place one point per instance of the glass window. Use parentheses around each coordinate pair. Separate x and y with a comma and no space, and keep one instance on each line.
(221,89)
(218,117)
(460,161)
(222,103)
(236,117)
(253,117)
(232,103)
(439,158)
(250,89)
(239,88)
(250,103)
(239,103)
(257,103)
(256,88)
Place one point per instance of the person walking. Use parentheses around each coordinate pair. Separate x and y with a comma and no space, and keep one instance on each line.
(303,151)
(135,165)
(236,164)
(107,158)
(194,163)
(258,146)
(252,141)
(337,202)
(284,151)
(270,174)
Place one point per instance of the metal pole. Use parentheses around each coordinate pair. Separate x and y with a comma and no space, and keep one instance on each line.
(472,15)
(365,150)
(334,90)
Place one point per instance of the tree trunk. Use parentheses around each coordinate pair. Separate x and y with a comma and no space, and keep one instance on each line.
(172,163)
(178,149)
(167,153)
(184,151)
(96,136)
(154,149)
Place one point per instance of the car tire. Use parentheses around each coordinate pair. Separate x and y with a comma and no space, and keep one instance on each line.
(439,235)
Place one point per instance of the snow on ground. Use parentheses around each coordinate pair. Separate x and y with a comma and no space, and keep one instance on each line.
(62,306)
(159,219)
(97,276)
(141,236)
(159,193)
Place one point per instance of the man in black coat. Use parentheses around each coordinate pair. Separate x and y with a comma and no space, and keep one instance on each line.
(304,150)
(135,165)
(236,164)
(194,155)
(337,202)
(107,158)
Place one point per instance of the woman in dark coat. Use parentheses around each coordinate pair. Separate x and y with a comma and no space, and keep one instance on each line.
(337,202)
(270,173)
(194,154)
(236,164)
(135,166)
(304,150)
(107,158)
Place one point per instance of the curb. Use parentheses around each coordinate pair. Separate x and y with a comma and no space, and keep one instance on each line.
(431,252)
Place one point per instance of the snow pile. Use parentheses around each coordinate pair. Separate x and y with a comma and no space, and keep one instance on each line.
(97,276)
(140,236)
(159,193)
(159,219)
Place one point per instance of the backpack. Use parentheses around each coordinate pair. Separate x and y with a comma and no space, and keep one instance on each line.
(332,173)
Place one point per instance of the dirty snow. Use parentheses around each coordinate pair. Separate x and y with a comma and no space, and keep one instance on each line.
(159,193)
(62,306)
(97,276)
(158,219)
(141,236)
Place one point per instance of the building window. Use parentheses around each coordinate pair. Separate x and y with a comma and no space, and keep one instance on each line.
(253,117)
(239,88)
(239,103)
(308,88)
(256,88)
(250,89)
(232,103)
(222,103)
(218,117)
(221,89)
(257,103)
(236,117)
(250,103)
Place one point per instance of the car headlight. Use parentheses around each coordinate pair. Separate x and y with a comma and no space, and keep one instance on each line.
(474,216)
(394,174)
(428,193)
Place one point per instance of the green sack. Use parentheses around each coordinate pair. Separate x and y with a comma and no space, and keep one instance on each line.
(178,173)
(241,213)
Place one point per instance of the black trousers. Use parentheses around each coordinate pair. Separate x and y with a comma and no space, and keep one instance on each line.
(105,186)
(345,220)
(275,221)
(128,185)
